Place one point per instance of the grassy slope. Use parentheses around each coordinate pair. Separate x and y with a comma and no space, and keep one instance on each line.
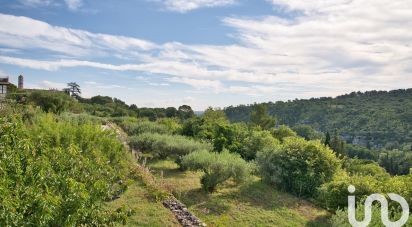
(147,212)
(253,204)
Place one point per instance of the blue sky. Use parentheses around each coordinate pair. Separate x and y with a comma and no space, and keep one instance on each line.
(208,52)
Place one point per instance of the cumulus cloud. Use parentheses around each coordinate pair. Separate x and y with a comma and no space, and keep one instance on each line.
(327,47)
(183,6)
(27,33)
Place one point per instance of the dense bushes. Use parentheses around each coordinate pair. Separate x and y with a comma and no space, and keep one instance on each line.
(56,173)
(374,118)
(163,146)
(396,162)
(134,126)
(341,217)
(334,194)
(53,101)
(365,167)
(298,166)
(217,167)
(254,142)
(143,126)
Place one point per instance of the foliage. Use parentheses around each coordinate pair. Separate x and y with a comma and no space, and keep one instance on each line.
(73,89)
(336,144)
(144,126)
(217,167)
(58,173)
(164,146)
(252,203)
(213,127)
(340,219)
(11,88)
(256,141)
(52,101)
(185,112)
(105,106)
(361,152)
(368,178)
(282,132)
(260,117)
(364,167)
(373,119)
(333,195)
(298,166)
(307,132)
(396,162)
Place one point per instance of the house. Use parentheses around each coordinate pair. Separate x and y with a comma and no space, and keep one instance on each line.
(4,83)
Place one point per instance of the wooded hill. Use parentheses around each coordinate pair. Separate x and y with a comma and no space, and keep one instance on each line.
(376,119)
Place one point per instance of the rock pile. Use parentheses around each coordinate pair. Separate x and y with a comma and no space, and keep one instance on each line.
(182,214)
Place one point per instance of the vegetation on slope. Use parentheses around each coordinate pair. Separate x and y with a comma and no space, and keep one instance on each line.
(59,173)
(253,203)
(225,152)
(374,119)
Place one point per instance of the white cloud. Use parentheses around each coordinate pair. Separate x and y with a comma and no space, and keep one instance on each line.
(45,84)
(183,6)
(74,4)
(213,85)
(27,33)
(158,84)
(36,3)
(328,48)
(188,99)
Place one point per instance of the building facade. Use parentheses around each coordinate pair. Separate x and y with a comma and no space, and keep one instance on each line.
(4,83)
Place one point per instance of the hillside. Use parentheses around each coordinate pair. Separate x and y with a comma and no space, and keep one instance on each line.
(374,118)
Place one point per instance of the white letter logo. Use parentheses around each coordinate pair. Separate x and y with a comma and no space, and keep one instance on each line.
(384,209)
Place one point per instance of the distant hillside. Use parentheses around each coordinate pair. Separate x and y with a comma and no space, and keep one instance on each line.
(374,118)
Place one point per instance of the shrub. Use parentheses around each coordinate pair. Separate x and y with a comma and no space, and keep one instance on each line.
(53,101)
(340,219)
(217,167)
(365,167)
(282,132)
(163,146)
(333,195)
(256,141)
(144,126)
(298,166)
(307,132)
(58,173)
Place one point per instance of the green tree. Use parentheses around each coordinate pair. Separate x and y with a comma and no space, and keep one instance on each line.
(260,117)
(171,112)
(282,132)
(185,112)
(73,89)
(327,139)
(217,167)
(298,166)
(338,145)
(307,132)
